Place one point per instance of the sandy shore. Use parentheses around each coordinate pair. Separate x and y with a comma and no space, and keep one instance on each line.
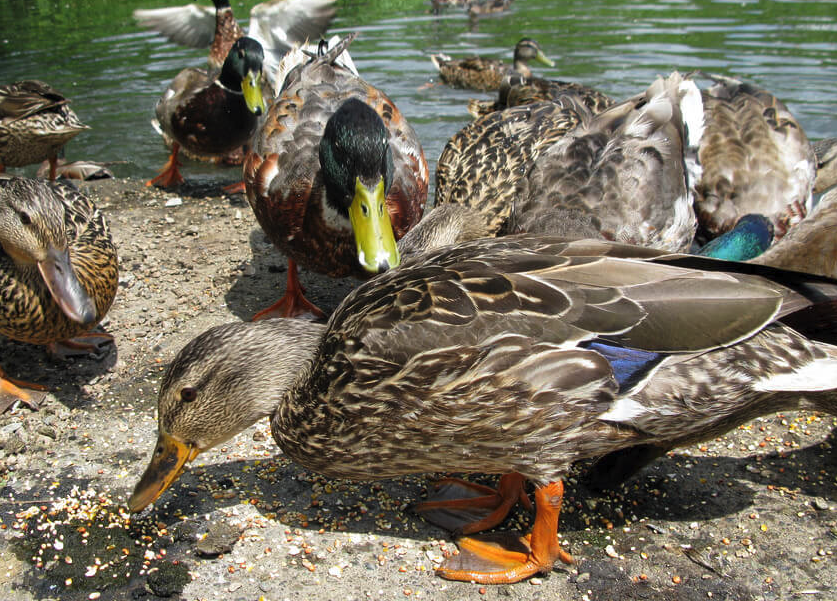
(752,515)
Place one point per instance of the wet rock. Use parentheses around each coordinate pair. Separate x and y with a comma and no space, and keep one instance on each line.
(14,444)
(220,538)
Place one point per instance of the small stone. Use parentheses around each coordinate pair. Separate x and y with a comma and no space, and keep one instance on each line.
(820,504)
(582,578)
(220,538)
(611,552)
(14,445)
(174,201)
(168,579)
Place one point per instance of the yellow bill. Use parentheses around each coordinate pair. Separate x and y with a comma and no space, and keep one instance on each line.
(251,86)
(376,248)
(167,463)
(543,59)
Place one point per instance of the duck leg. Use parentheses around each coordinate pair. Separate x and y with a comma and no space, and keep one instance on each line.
(465,507)
(293,303)
(503,558)
(236,188)
(169,174)
(12,390)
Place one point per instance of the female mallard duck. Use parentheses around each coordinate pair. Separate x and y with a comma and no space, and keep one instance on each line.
(516,90)
(625,174)
(35,123)
(485,74)
(332,154)
(515,356)
(755,159)
(554,167)
(277,25)
(58,266)
(211,114)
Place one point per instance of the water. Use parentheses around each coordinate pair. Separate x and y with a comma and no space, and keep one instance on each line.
(91,51)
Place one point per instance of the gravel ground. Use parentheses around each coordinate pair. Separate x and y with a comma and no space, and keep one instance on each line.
(752,515)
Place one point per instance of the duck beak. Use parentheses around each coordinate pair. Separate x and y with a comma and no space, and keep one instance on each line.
(61,280)
(543,59)
(376,248)
(251,86)
(167,463)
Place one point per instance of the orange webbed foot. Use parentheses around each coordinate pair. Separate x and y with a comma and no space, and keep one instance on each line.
(293,303)
(502,558)
(11,391)
(236,188)
(169,174)
(464,507)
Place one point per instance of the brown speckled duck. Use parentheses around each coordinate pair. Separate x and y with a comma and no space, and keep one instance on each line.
(515,356)
(35,124)
(481,73)
(58,267)
(336,175)
(755,159)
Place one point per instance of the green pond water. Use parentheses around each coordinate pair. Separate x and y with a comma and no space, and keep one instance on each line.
(93,52)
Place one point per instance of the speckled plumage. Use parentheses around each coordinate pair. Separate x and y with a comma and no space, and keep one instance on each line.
(65,218)
(476,359)
(482,73)
(482,164)
(755,157)
(516,90)
(284,178)
(625,174)
(35,123)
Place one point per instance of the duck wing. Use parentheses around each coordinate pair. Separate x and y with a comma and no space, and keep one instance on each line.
(191,25)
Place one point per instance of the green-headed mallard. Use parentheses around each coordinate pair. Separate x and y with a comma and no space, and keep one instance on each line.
(35,124)
(211,114)
(58,266)
(755,159)
(277,25)
(481,73)
(751,236)
(336,175)
(516,356)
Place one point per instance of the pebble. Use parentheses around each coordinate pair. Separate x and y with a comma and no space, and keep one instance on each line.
(220,538)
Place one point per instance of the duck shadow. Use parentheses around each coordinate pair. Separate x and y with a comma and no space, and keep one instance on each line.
(262,282)
(64,378)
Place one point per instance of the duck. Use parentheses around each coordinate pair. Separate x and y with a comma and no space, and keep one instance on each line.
(825,151)
(517,89)
(755,158)
(555,167)
(481,164)
(58,270)
(336,175)
(277,25)
(515,355)
(625,174)
(751,236)
(35,124)
(485,74)
(212,113)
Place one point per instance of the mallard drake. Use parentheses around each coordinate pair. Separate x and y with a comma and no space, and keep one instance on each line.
(481,73)
(212,113)
(516,90)
(332,151)
(626,173)
(516,356)
(277,25)
(35,124)
(755,159)
(58,266)
(751,236)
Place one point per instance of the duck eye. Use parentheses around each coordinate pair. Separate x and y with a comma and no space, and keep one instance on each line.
(25,218)
(188,394)
(365,210)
